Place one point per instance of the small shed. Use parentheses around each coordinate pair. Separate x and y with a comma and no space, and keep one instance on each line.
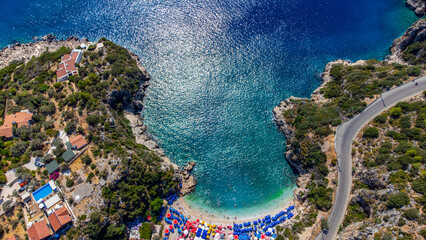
(52,167)
(68,155)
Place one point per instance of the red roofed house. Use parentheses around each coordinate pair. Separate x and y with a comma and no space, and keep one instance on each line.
(67,66)
(59,219)
(78,142)
(39,231)
(19,118)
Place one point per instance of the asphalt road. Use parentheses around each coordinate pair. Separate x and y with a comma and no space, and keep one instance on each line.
(344,137)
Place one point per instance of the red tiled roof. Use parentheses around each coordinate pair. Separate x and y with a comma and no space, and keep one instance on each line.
(67,65)
(19,118)
(74,55)
(70,65)
(61,72)
(6,132)
(78,141)
(66,57)
(59,218)
(39,231)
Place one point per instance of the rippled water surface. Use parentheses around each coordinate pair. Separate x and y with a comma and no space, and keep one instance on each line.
(219,67)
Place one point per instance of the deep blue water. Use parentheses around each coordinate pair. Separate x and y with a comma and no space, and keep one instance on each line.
(219,67)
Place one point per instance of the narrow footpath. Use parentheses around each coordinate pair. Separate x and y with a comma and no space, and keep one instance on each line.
(344,138)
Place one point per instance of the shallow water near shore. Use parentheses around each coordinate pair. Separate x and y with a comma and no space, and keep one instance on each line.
(219,68)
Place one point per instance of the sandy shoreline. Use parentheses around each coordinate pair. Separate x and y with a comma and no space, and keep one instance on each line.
(193,214)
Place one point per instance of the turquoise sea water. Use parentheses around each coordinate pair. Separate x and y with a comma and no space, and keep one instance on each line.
(219,68)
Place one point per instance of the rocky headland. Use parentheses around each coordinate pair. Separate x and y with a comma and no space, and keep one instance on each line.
(133,114)
(398,54)
(25,51)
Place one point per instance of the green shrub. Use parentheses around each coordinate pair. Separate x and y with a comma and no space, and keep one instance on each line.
(145,231)
(86,159)
(403,147)
(70,127)
(380,119)
(419,185)
(414,71)
(57,85)
(89,177)
(395,112)
(385,148)
(411,214)
(401,222)
(371,132)
(92,166)
(405,122)
(386,218)
(69,183)
(383,158)
(398,200)
(91,48)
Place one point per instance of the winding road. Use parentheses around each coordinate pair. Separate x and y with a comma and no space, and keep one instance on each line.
(344,137)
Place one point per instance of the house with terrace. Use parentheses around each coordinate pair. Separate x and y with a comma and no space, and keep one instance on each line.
(67,66)
(60,220)
(78,142)
(39,231)
(19,119)
(46,210)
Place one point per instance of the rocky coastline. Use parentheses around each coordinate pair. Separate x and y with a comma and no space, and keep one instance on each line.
(25,51)
(415,33)
(418,6)
(133,114)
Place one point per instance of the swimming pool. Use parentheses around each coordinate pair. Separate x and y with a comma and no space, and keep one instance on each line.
(42,192)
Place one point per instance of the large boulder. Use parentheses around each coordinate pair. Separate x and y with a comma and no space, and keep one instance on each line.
(188,184)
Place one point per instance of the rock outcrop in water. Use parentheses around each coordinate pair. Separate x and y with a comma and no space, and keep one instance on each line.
(415,33)
(188,180)
(418,6)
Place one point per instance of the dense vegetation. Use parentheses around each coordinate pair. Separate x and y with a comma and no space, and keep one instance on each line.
(396,154)
(85,100)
